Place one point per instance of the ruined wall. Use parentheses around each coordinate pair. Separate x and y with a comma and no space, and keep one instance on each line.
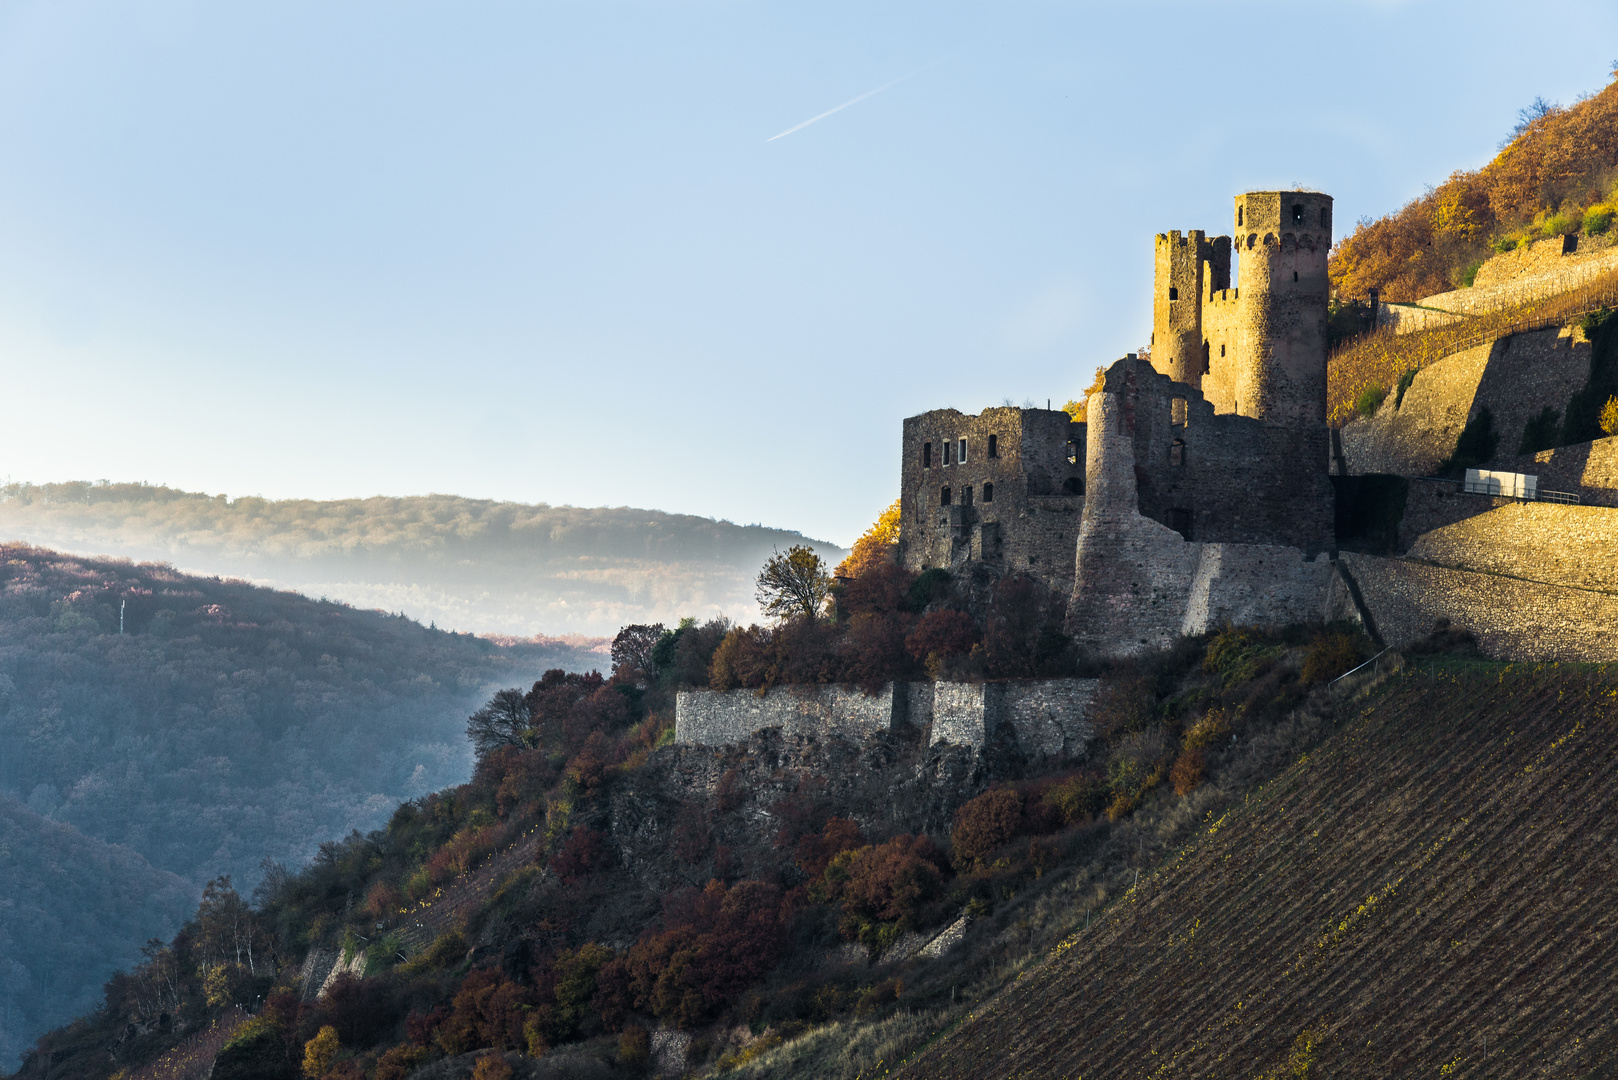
(1513,619)
(1041,717)
(1029,523)
(710,718)
(1515,377)
(1575,546)
(1140,585)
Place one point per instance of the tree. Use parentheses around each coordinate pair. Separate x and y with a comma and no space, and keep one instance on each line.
(879,545)
(793,584)
(634,647)
(319,1051)
(1609,417)
(504,721)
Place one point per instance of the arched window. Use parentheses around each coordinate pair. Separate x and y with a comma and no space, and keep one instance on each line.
(943,497)
(988,490)
(1073,485)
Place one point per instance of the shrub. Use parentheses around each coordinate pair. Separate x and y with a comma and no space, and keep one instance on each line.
(319,1051)
(1188,771)
(942,634)
(635,1047)
(1608,419)
(488,1010)
(1076,798)
(1370,400)
(1236,656)
(1405,382)
(932,585)
(1331,655)
(744,658)
(491,1067)
(400,1061)
(1212,730)
(1598,219)
(816,851)
(985,825)
(883,884)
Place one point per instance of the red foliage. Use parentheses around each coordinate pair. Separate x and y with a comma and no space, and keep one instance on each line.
(713,945)
(419,1026)
(586,850)
(816,851)
(873,648)
(942,633)
(488,1010)
(881,588)
(887,882)
(985,825)
(358,1008)
(519,776)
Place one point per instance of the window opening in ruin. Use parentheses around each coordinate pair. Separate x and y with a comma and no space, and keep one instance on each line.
(1297,213)
(943,497)
(1177,410)
(960,458)
(1174,294)
(1294,275)
(1177,452)
(1072,451)
(1206,366)
(1322,217)
(926,455)
(1221,350)
(994,446)
(1180,522)
(946,453)
(1238,217)
(988,491)
(1073,485)
(966,495)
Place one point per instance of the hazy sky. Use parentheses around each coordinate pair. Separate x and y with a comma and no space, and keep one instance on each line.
(551,252)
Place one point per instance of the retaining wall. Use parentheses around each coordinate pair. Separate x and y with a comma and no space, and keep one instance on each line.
(1042,717)
(1513,619)
(710,718)
(1559,544)
(1532,273)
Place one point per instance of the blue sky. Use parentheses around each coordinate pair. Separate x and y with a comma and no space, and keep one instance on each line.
(547,252)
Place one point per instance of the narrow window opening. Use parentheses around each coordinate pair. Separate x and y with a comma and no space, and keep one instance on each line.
(1177,410)
(943,497)
(966,495)
(946,453)
(1238,217)
(1297,213)
(994,449)
(1206,366)
(1324,220)
(1177,452)
(1221,350)
(988,491)
(960,458)
(1072,451)
(1294,275)
(926,455)
(1180,522)
(1174,294)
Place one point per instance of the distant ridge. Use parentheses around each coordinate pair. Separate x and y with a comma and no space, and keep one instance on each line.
(467,564)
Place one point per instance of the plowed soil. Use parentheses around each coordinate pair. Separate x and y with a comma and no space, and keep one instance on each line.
(1432,892)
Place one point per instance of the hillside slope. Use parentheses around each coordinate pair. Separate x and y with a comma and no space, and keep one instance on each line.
(1432,891)
(227,724)
(73,909)
(468,564)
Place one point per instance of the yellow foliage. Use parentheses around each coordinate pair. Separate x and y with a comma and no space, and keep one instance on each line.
(319,1051)
(492,1067)
(879,544)
(1076,409)
(1609,416)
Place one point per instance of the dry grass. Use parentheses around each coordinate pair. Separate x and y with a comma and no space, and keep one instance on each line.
(1379,359)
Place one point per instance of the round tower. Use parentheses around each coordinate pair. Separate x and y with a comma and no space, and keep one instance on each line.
(1282,239)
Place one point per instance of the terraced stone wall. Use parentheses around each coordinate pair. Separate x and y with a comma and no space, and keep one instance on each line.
(710,718)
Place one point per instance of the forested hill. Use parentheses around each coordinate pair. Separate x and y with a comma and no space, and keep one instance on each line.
(225,724)
(469,564)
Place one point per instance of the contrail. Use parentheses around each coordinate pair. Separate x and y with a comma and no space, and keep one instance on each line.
(852,101)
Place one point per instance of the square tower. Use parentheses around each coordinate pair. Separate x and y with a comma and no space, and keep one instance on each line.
(1186,268)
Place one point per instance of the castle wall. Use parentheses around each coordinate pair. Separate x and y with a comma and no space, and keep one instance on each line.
(1186,268)
(1515,377)
(1031,522)
(1513,619)
(711,718)
(1140,585)
(1222,327)
(1041,717)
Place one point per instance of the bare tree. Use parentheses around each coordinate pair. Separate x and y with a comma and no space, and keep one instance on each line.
(793,583)
(632,649)
(504,721)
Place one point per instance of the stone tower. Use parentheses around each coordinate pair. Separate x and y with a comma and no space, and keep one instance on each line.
(1187,267)
(1278,321)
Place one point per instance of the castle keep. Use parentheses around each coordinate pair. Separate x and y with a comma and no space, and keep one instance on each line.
(1204,485)
(1224,427)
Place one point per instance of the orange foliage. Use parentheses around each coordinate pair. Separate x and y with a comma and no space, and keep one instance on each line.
(985,825)
(879,545)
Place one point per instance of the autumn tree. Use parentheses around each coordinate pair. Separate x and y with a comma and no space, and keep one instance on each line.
(1609,417)
(879,545)
(503,721)
(1078,409)
(793,584)
(634,650)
